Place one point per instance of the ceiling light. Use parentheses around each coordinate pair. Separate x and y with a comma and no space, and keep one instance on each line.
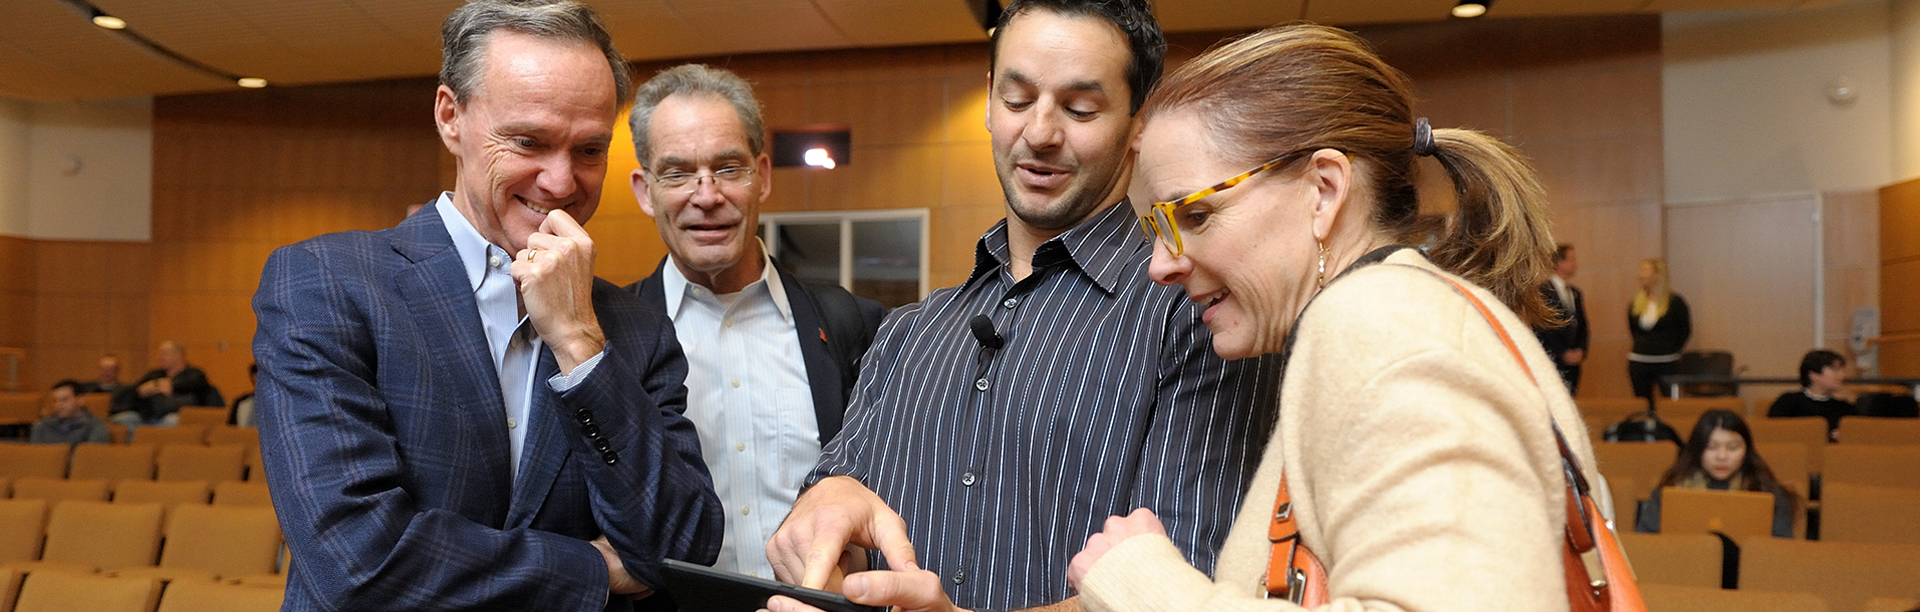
(109,22)
(251,82)
(1468,9)
(820,158)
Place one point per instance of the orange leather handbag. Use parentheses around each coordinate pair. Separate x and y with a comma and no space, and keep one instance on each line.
(1598,578)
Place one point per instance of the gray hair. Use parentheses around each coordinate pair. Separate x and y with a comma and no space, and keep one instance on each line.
(692,79)
(464,35)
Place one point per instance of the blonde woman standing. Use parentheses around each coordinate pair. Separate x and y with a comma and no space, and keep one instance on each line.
(1660,323)
(1418,448)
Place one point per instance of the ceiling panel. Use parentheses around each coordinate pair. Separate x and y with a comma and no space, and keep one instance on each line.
(649,29)
(761,25)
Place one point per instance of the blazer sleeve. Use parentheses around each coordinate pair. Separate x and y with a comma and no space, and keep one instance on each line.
(340,478)
(1581,334)
(652,495)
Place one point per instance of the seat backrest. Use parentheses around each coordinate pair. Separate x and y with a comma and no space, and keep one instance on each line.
(187,434)
(66,592)
(1882,466)
(1846,574)
(1738,514)
(207,416)
(1869,514)
(230,493)
(1702,599)
(201,462)
(106,536)
(1788,460)
(1682,559)
(194,596)
(56,491)
(19,460)
(9,587)
(1644,462)
(166,493)
(16,408)
(1609,410)
(1810,431)
(1689,409)
(23,523)
(1626,507)
(1879,431)
(113,462)
(228,434)
(230,541)
(1890,604)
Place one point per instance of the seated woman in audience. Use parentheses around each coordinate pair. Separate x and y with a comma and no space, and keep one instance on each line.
(1417,445)
(1720,456)
(1823,375)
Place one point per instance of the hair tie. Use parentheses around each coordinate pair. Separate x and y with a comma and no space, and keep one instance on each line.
(1423,138)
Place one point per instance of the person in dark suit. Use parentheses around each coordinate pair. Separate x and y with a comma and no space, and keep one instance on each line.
(1566,344)
(753,333)
(156,398)
(454,413)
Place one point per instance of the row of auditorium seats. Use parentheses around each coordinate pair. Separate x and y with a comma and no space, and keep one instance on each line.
(234,455)
(1695,571)
(145,536)
(17,410)
(66,592)
(1682,413)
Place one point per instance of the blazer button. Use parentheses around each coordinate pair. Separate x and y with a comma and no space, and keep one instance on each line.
(600,444)
(586,421)
(583,413)
(593,431)
(609,457)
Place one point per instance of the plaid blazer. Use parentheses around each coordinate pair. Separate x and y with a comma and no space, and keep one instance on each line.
(385,442)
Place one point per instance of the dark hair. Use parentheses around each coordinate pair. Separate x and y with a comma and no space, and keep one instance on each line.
(1303,87)
(70,384)
(695,79)
(1560,252)
(1145,44)
(253,368)
(1817,360)
(1754,473)
(464,35)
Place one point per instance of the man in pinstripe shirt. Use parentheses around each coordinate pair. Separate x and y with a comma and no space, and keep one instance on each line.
(998,423)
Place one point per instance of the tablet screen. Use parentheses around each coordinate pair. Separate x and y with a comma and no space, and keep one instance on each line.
(698,588)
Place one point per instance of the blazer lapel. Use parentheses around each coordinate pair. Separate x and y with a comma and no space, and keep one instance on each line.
(440,300)
(823,375)
(546,448)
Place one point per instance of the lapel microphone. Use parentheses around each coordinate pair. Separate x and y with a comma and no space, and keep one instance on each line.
(984,334)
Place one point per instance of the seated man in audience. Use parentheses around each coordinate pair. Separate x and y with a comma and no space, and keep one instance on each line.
(70,422)
(241,413)
(107,380)
(1823,375)
(158,396)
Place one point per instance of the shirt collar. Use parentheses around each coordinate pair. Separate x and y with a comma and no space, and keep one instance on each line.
(674,285)
(473,248)
(1102,247)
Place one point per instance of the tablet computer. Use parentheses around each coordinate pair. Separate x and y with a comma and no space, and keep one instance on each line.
(698,588)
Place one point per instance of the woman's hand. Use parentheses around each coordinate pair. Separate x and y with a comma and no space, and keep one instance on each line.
(1118,528)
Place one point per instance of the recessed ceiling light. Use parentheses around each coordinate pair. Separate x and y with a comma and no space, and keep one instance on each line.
(110,22)
(1468,9)
(252,82)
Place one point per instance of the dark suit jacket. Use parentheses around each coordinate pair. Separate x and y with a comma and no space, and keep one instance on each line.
(1573,335)
(830,375)
(385,439)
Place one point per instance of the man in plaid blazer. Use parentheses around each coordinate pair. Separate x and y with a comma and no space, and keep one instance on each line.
(454,414)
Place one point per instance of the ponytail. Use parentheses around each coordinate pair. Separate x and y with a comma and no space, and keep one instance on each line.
(1498,237)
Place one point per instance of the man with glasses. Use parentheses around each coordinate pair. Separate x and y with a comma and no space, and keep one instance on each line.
(997,424)
(771,360)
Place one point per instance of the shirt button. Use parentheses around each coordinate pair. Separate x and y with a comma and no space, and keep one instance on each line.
(493,261)
(728,323)
(736,383)
(742,447)
(980,384)
(746,510)
(967,479)
(1011,302)
(959,576)
(512,423)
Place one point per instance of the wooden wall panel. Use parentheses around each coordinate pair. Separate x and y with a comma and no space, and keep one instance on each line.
(1900,278)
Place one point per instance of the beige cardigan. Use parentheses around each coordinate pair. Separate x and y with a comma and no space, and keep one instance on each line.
(1422,467)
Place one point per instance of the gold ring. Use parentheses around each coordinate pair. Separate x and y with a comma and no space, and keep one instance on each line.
(531,253)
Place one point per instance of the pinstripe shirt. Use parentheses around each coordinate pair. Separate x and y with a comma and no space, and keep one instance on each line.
(1107,396)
